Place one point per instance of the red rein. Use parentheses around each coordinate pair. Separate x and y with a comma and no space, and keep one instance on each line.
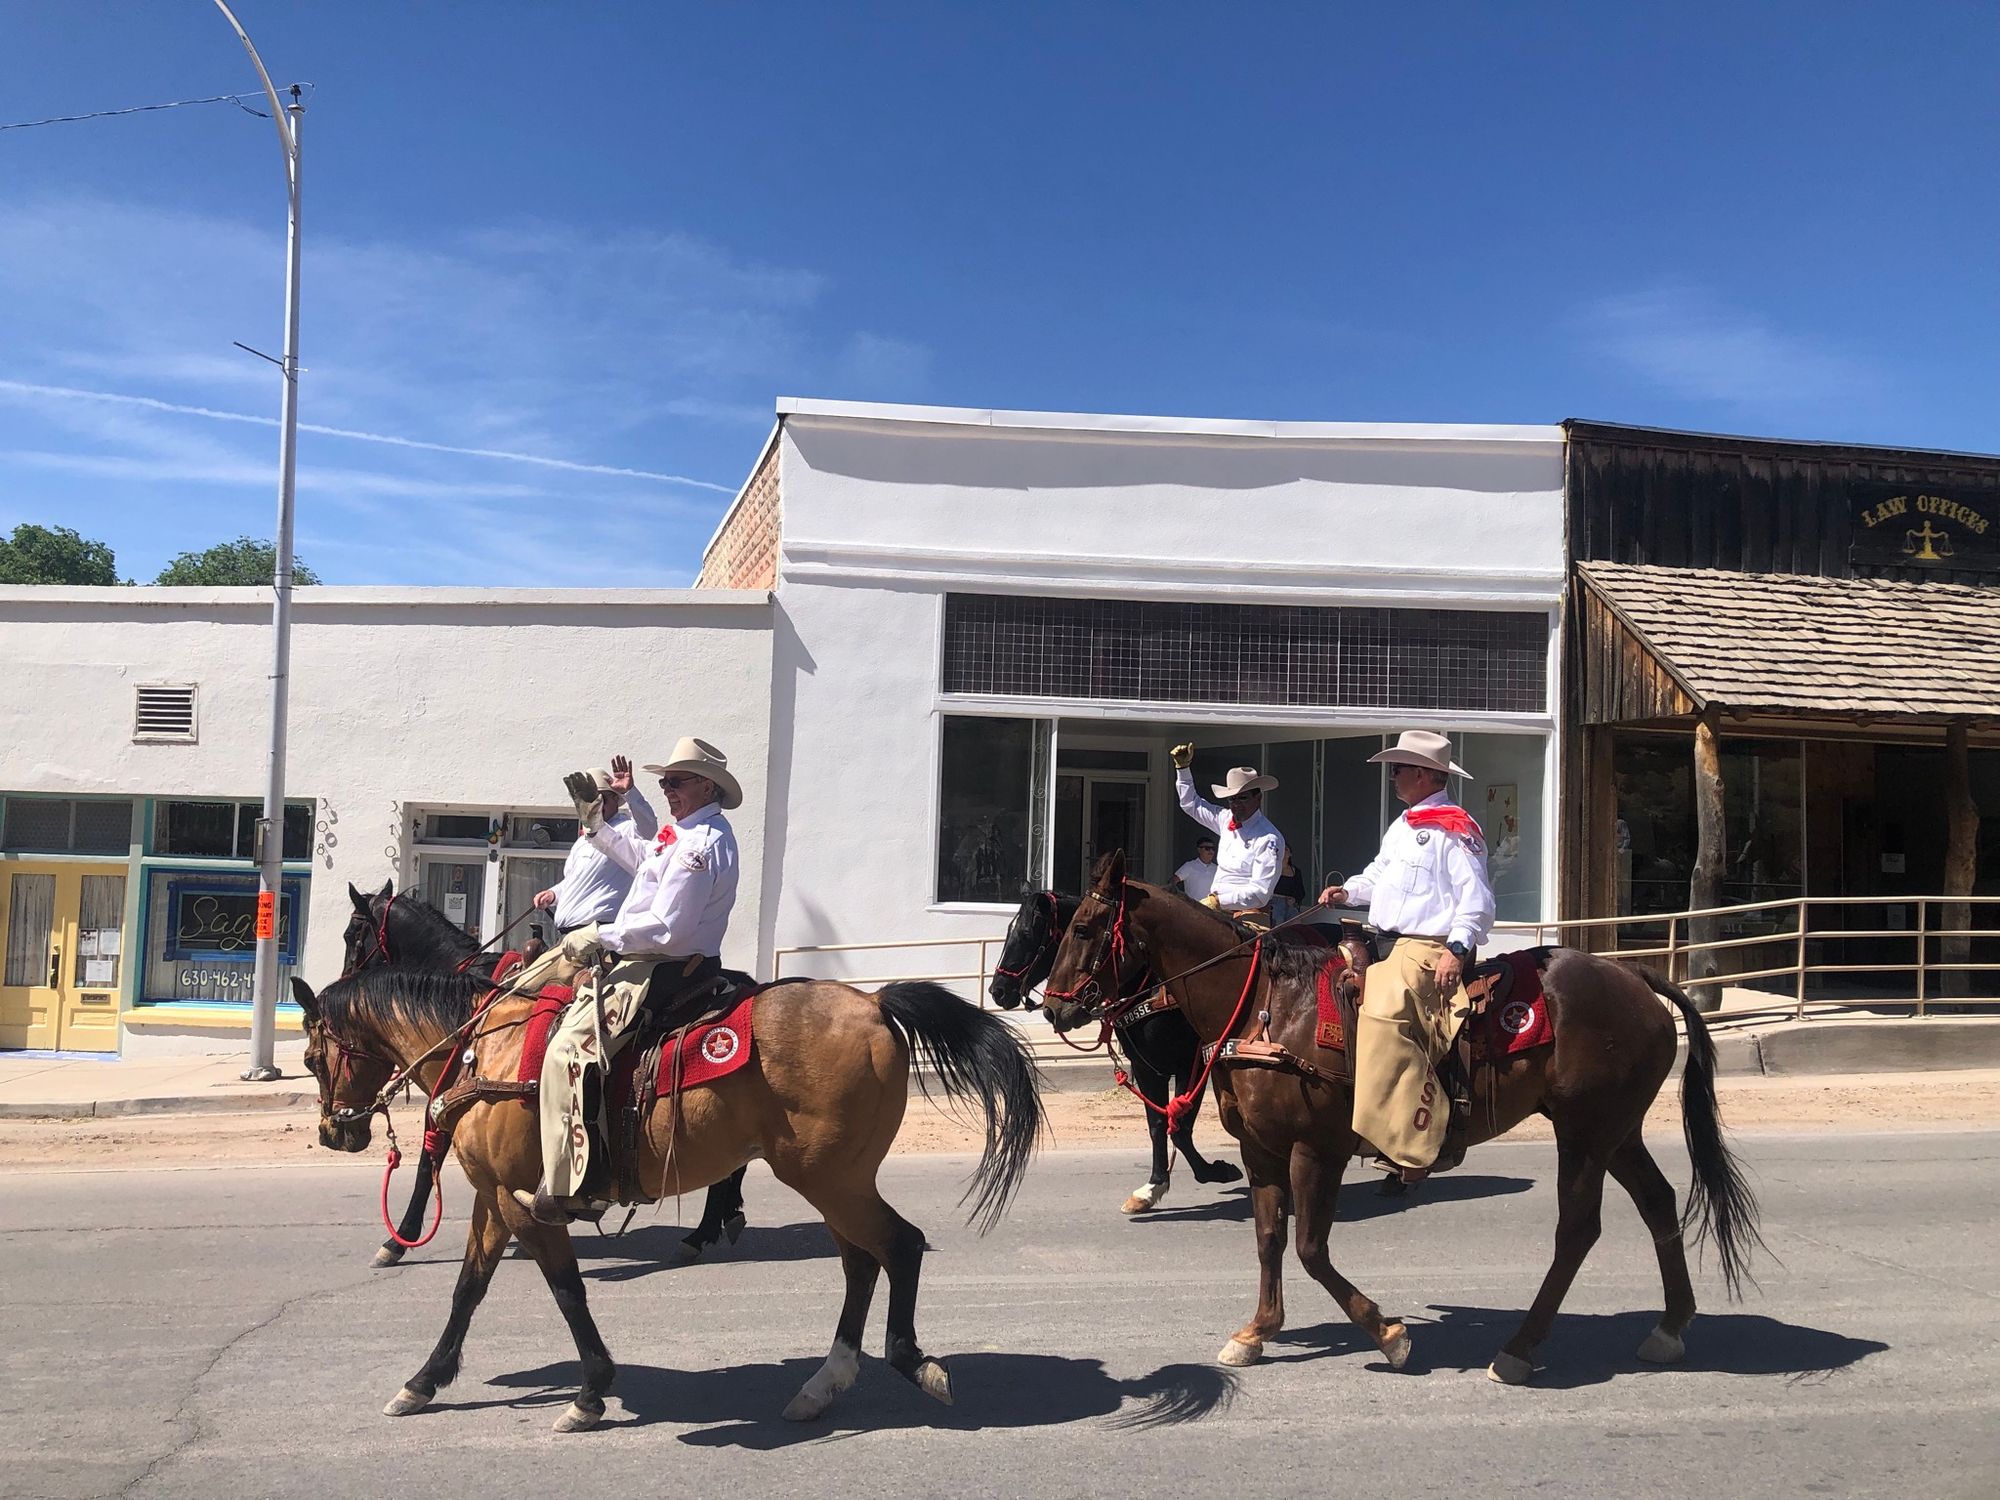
(1180,1104)
(437,1191)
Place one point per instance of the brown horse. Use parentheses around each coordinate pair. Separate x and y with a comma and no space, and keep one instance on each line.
(820,1100)
(1614,1047)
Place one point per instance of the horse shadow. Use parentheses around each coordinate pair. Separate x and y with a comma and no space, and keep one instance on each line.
(656,1247)
(1586,1349)
(739,1407)
(1358,1200)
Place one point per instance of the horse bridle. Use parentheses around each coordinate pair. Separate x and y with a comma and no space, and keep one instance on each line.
(1055,936)
(381,932)
(1090,993)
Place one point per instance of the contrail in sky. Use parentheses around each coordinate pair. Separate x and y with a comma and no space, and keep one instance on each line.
(26,388)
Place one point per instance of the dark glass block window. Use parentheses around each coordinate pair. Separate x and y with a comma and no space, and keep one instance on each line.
(298,829)
(1467,661)
(985,805)
(205,828)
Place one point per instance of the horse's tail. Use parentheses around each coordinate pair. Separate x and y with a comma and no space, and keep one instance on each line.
(1721,1207)
(974,1055)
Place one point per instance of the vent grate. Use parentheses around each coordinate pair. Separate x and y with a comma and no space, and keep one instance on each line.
(164,713)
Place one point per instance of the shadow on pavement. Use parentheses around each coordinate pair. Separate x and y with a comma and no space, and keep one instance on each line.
(1362,1198)
(739,1407)
(1591,1348)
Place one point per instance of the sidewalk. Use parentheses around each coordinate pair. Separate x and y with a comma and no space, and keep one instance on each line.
(1755,1036)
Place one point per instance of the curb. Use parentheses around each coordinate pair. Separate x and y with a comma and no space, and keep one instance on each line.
(189,1104)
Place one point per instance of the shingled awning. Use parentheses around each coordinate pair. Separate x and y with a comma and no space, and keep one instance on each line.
(1669,642)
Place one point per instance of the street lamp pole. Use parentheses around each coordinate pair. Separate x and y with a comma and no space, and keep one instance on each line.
(270,841)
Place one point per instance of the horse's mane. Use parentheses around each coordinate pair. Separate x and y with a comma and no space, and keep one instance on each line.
(1290,958)
(434,927)
(422,998)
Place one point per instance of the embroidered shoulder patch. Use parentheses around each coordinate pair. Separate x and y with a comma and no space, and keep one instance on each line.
(694,859)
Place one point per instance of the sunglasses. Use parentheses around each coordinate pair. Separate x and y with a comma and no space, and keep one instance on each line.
(675,783)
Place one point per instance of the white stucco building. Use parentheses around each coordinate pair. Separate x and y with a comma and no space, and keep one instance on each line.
(945,650)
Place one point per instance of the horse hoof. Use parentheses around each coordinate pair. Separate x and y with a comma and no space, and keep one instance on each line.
(1222,1171)
(1396,1348)
(577,1417)
(1509,1369)
(1144,1198)
(1236,1353)
(804,1408)
(1662,1348)
(686,1253)
(406,1402)
(732,1228)
(389,1255)
(934,1381)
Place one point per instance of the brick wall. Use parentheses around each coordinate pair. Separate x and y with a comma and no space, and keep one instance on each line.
(744,554)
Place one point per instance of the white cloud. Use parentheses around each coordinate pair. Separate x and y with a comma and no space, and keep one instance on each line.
(1691,345)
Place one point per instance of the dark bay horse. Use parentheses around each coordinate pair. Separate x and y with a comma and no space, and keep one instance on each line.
(390,929)
(1162,1047)
(820,1100)
(1614,1047)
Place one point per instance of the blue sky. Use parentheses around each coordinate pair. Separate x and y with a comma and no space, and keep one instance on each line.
(608,235)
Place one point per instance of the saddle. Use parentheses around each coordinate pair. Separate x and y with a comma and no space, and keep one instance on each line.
(1336,999)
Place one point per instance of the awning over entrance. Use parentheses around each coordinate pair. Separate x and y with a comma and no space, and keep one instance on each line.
(1668,643)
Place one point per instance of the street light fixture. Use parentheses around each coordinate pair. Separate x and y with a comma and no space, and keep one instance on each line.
(269,845)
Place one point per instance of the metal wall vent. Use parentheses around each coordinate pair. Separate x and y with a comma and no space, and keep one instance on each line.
(164,713)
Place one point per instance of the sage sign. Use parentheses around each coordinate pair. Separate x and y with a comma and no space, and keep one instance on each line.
(213,919)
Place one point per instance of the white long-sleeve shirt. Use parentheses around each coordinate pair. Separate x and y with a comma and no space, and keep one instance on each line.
(593,884)
(683,886)
(1247,857)
(1428,882)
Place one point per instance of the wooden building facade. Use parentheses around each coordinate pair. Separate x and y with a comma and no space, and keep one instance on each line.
(1781,672)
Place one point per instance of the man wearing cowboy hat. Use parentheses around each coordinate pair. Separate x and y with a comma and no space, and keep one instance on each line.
(1249,849)
(663,946)
(1429,891)
(593,884)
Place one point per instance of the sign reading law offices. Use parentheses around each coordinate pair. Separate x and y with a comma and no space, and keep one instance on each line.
(1920,526)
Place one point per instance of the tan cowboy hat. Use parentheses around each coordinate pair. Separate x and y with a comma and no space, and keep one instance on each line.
(601,779)
(1422,747)
(1242,779)
(702,759)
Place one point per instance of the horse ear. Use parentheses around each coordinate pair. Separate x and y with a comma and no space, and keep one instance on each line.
(305,999)
(388,889)
(1110,871)
(360,901)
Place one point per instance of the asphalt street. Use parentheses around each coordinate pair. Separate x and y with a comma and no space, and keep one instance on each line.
(219,1331)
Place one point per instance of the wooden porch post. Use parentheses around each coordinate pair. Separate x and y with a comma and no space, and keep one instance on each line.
(1705,888)
(1961,857)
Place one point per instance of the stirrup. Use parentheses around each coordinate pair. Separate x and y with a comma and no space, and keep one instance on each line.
(545,1208)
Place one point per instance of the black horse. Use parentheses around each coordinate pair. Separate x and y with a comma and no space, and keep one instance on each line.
(1163,1048)
(390,929)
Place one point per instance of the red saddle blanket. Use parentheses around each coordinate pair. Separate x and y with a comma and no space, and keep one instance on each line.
(708,1052)
(1330,1032)
(1521,1020)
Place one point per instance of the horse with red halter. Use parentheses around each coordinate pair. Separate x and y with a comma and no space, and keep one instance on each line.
(819,1096)
(1162,1048)
(1291,1106)
(388,928)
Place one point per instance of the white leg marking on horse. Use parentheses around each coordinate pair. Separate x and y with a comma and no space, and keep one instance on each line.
(1145,1197)
(842,1367)
(1238,1353)
(1509,1369)
(1662,1348)
(405,1402)
(1397,1350)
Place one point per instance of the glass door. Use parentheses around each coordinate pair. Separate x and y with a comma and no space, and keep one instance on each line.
(64,954)
(456,887)
(1117,820)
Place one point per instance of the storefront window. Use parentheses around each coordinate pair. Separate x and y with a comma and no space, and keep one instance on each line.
(62,825)
(986,802)
(1763,821)
(226,830)
(1655,832)
(1505,799)
(201,934)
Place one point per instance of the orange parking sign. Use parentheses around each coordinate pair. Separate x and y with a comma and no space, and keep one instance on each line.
(267,914)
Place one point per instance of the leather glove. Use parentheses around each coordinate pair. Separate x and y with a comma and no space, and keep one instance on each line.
(1183,756)
(582,947)
(589,806)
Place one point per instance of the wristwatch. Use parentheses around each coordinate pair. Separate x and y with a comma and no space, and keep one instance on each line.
(1459,951)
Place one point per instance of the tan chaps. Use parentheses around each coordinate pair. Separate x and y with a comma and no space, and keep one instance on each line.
(1405,1025)
(576,1047)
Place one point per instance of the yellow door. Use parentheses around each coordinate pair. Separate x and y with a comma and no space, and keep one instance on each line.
(64,954)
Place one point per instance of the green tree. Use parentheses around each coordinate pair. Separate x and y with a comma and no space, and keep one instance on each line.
(55,554)
(243,561)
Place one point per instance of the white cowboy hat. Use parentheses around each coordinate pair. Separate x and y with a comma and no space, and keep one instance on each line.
(1422,747)
(702,759)
(600,778)
(1243,779)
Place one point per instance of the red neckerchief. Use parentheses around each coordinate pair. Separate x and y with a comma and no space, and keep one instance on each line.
(1451,819)
(667,836)
(1232,825)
